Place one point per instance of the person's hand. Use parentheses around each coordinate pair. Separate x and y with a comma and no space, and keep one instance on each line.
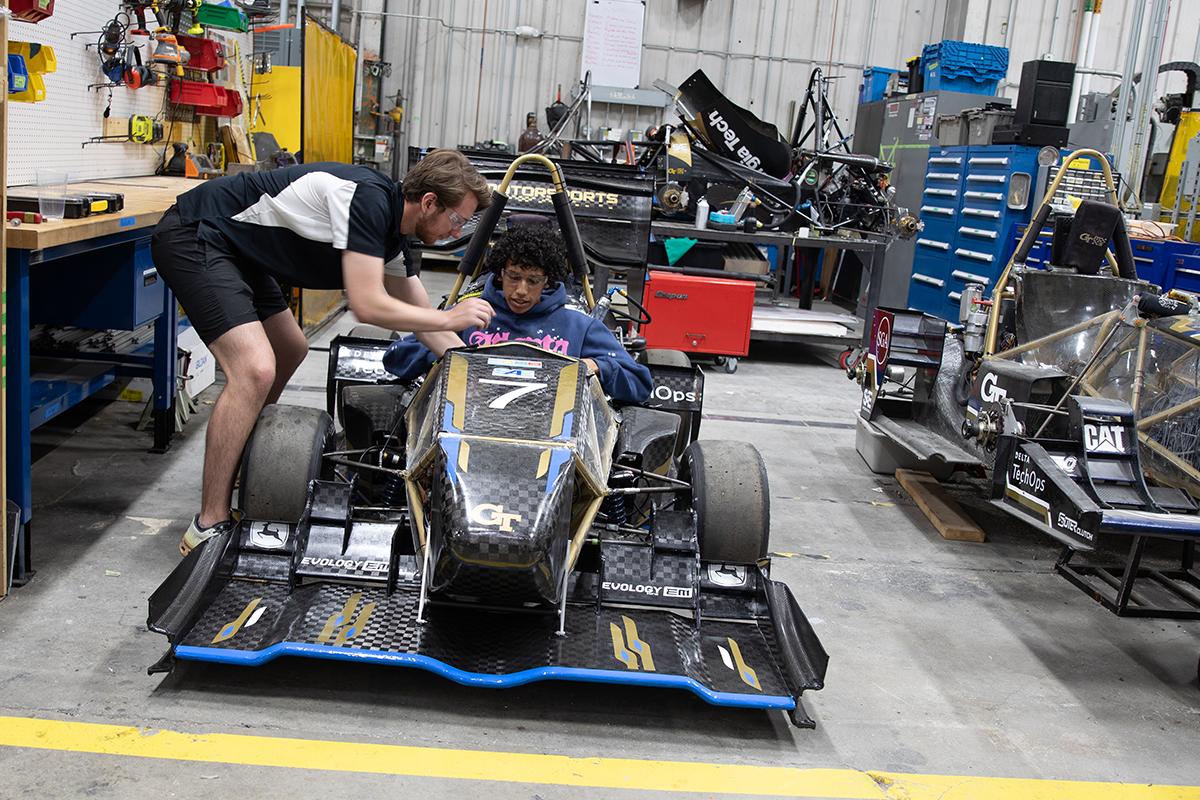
(592,367)
(470,313)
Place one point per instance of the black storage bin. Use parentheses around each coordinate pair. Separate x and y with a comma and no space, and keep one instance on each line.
(705,255)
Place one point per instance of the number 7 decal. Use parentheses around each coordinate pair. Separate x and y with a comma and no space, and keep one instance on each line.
(522,389)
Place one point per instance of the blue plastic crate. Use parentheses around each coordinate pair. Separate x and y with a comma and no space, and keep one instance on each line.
(18,75)
(874,85)
(952,66)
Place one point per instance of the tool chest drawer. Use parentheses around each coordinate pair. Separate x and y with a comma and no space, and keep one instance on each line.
(115,287)
(928,285)
(1184,274)
(938,230)
(932,245)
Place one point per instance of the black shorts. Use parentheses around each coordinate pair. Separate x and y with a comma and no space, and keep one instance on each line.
(215,292)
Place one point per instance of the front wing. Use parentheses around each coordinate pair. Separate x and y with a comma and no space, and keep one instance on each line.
(727,663)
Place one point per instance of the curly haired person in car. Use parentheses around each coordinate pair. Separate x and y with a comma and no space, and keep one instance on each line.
(527,289)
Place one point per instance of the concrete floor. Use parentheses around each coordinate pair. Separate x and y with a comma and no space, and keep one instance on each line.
(946,658)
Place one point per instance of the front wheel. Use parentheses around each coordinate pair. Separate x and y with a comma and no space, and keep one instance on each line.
(731,500)
(283,455)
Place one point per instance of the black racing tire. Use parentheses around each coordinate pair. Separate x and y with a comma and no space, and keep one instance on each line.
(284,453)
(731,500)
(364,331)
(666,358)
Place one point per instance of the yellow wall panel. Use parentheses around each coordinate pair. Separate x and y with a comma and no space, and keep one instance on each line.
(279,91)
(329,65)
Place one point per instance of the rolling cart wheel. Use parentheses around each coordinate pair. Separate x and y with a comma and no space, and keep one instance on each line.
(844,359)
(730,365)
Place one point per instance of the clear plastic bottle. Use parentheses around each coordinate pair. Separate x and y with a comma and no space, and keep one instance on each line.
(702,213)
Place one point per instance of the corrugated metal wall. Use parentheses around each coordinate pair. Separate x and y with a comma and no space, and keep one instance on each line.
(759,53)
(1051,27)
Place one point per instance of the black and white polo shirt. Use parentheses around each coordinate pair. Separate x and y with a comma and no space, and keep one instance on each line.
(294,222)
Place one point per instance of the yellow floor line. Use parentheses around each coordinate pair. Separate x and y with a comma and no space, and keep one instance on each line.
(612,773)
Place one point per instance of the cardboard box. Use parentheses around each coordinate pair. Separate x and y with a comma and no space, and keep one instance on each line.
(203,371)
(747,259)
(203,367)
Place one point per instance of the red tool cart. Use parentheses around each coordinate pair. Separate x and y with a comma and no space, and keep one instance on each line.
(708,316)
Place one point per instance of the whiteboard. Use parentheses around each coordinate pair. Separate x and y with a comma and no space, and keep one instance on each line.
(612,42)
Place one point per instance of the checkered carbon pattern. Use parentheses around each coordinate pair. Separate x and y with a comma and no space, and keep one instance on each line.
(424,418)
(501,484)
(329,500)
(650,432)
(595,431)
(676,531)
(731,605)
(491,643)
(525,416)
(363,555)
(626,564)
(367,409)
(264,566)
(676,389)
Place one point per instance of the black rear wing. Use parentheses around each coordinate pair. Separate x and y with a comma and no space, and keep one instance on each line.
(611,203)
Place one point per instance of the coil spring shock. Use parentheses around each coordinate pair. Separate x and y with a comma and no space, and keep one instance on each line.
(614,509)
(615,506)
(392,493)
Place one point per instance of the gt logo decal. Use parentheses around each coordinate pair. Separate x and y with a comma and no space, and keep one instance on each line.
(248,613)
(338,628)
(522,389)
(628,648)
(493,516)
(989,392)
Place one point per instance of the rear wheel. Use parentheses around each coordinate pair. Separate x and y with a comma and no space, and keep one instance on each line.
(365,331)
(283,455)
(730,498)
(666,358)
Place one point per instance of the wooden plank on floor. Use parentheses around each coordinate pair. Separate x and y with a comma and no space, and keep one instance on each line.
(941,509)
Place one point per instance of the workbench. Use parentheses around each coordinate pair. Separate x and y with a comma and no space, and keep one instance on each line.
(101,264)
(775,318)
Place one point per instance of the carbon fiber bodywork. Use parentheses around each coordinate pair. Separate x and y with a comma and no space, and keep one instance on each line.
(508,439)
(734,663)
(492,568)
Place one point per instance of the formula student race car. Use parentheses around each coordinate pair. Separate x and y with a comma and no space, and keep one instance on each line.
(1076,389)
(500,523)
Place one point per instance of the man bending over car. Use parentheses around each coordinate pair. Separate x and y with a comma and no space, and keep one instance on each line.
(526,288)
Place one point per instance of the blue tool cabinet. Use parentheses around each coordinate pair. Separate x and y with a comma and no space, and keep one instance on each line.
(1168,265)
(974,199)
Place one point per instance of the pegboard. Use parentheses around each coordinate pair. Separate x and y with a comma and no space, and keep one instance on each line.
(49,134)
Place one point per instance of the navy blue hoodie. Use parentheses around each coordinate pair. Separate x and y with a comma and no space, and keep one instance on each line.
(549,325)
